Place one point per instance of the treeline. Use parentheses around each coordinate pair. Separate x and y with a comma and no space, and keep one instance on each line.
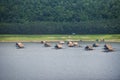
(59,16)
(91,27)
(58,10)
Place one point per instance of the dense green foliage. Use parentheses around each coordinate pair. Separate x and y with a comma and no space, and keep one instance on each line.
(58,10)
(59,16)
(98,27)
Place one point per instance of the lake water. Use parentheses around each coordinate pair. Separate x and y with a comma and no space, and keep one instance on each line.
(36,62)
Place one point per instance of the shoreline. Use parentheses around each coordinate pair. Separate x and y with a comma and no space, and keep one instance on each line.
(57,38)
(62,40)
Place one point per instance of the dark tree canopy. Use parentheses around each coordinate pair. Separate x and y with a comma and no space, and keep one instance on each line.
(84,14)
(58,10)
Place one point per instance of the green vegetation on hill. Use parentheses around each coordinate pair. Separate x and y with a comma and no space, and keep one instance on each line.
(59,16)
(58,10)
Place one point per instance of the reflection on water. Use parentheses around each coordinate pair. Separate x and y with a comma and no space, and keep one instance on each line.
(36,62)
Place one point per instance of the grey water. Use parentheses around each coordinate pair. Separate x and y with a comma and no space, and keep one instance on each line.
(36,62)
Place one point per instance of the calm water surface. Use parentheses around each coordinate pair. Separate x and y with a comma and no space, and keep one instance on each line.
(36,62)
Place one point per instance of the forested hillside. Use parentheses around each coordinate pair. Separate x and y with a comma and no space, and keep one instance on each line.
(59,16)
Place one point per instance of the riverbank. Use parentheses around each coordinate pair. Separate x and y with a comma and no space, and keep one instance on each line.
(55,38)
